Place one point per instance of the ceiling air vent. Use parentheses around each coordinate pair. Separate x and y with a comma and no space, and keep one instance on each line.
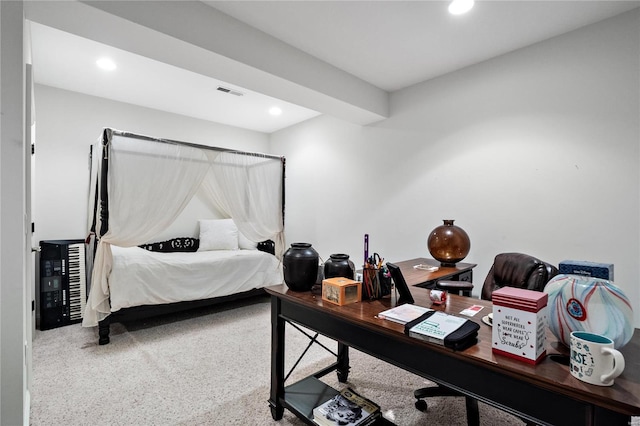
(231,92)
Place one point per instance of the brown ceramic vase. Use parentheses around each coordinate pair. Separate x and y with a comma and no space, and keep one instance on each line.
(448,243)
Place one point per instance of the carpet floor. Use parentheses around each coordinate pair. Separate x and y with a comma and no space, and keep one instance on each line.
(209,366)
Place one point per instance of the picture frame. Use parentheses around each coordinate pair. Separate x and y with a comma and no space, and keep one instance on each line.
(404,295)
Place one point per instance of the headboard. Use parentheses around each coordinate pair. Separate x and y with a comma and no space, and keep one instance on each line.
(182,244)
(190,244)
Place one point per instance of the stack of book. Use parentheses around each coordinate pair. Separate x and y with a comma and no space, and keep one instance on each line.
(347,408)
(403,313)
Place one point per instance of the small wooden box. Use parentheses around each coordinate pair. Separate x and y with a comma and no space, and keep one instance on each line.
(341,291)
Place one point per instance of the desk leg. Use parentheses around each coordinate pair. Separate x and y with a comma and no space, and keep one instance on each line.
(473,415)
(277,360)
(603,416)
(343,362)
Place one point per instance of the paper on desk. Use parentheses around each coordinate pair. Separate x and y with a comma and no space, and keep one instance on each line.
(472,310)
(428,268)
(403,313)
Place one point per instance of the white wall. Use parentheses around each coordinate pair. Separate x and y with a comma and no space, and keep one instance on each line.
(67,123)
(535,151)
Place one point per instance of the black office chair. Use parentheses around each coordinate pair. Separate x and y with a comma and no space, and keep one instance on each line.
(508,269)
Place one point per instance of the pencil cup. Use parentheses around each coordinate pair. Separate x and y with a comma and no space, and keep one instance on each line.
(371,284)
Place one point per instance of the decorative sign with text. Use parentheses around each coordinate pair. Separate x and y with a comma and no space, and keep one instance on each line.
(519,327)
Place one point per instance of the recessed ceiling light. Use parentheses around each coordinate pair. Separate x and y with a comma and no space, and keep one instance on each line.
(275,111)
(458,7)
(106,64)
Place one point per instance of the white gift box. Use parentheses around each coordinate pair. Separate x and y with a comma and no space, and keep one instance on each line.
(519,324)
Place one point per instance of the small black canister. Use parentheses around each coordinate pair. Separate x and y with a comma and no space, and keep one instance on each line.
(339,265)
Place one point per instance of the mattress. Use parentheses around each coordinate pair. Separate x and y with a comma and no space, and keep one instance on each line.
(142,277)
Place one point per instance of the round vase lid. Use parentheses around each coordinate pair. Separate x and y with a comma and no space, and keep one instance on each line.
(340,256)
(300,245)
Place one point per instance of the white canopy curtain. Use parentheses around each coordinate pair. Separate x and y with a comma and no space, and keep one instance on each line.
(242,187)
(144,183)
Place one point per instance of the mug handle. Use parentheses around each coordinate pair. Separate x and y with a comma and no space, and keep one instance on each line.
(618,364)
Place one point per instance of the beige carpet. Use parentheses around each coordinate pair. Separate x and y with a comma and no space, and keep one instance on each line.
(205,367)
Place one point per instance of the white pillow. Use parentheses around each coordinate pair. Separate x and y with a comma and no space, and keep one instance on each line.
(246,244)
(218,234)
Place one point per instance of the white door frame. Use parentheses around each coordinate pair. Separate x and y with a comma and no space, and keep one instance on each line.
(30,246)
(12,215)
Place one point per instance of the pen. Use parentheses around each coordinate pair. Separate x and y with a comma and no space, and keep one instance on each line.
(366,248)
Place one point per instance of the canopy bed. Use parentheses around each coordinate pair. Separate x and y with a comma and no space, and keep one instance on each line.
(139,185)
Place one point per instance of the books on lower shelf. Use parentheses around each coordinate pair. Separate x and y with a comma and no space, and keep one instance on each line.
(346,409)
(403,313)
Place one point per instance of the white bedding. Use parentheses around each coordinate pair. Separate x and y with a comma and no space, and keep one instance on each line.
(141,277)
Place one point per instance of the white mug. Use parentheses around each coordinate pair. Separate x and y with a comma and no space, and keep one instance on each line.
(593,358)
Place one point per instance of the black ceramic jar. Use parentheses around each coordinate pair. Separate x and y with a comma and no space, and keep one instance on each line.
(339,265)
(300,266)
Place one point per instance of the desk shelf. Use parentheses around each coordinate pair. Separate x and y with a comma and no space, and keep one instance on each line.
(303,396)
(429,279)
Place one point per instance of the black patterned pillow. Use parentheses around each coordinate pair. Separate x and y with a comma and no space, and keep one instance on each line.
(181,244)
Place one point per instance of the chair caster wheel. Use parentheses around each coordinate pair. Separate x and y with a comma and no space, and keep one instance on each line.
(421,405)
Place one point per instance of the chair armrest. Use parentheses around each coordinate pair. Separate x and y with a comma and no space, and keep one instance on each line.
(457,287)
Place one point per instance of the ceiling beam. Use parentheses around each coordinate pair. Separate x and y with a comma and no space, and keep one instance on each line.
(201,39)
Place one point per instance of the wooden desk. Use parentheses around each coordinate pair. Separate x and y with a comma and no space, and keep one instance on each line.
(426,279)
(545,393)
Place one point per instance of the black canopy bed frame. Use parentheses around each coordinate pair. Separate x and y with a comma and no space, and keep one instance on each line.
(182,244)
